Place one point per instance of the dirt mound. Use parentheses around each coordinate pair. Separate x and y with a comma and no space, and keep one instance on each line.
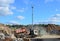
(5,28)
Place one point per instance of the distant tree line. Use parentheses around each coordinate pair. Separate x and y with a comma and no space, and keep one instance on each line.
(18,26)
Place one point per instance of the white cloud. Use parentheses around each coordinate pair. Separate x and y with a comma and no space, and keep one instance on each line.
(55,18)
(6,2)
(44,22)
(14,22)
(57,15)
(20,17)
(52,20)
(46,1)
(13,7)
(5,11)
(57,10)
(21,10)
(5,7)
(26,1)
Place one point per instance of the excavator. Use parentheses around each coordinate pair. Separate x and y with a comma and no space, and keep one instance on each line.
(21,32)
(24,33)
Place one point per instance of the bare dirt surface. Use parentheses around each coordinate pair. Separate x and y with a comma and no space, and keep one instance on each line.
(48,36)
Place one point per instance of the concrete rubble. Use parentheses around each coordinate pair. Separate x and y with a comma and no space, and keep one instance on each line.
(22,34)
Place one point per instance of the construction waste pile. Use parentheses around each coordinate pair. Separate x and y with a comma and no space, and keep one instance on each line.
(22,33)
(5,32)
(52,29)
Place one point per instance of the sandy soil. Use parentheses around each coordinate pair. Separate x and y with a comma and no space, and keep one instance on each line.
(48,36)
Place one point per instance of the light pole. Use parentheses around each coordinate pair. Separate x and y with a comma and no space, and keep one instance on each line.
(31,29)
(32,17)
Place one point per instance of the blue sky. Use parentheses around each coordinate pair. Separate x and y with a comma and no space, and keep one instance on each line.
(20,11)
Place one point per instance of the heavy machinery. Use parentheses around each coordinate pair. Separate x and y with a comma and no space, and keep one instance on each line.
(24,33)
(21,32)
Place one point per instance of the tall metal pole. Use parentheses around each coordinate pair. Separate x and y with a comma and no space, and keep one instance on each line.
(32,17)
(31,30)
